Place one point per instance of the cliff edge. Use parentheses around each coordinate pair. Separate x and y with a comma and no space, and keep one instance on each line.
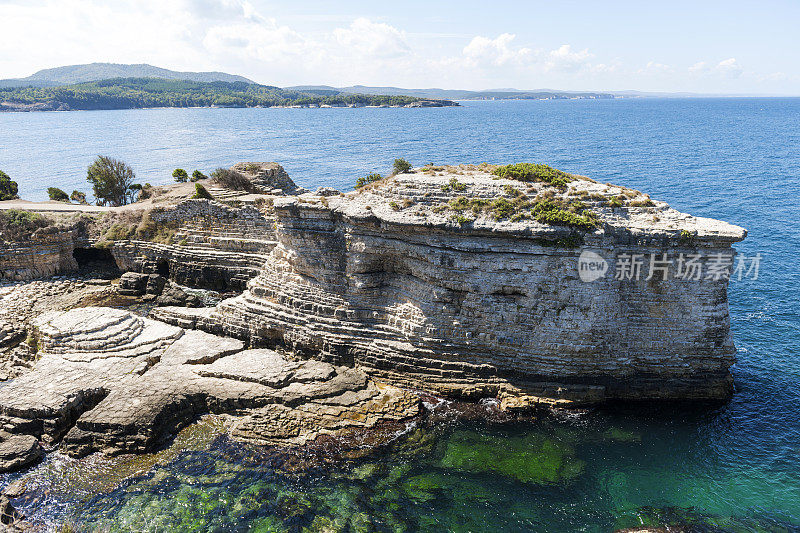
(520,282)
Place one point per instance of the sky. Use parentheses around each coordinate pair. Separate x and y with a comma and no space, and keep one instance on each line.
(731,47)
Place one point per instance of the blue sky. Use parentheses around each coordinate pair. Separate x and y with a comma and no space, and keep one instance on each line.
(710,47)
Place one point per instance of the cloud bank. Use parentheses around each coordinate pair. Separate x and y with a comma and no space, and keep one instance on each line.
(235,36)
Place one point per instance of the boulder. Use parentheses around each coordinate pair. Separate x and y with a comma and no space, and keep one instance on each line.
(327,191)
(137,284)
(172,295)
(18,451)
(155,284)
(133,284)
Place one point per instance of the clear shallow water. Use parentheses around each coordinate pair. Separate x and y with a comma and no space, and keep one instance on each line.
(734,159)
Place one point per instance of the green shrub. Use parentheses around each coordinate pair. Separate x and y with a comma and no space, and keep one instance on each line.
(552,212)
(57,194)
(78,197)
(200,192)
(686,237)
(197,176)
(401,166)
(119,232)
(461,219)
(370,178)
(454,185)
(180,175)
(8,188)
(17,225)
(394,205)
(533,172)
(615,201)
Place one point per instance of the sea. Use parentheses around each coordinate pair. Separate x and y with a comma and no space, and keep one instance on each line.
(729,467)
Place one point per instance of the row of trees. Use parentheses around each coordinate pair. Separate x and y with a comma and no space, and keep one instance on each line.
(181,176)
(130,93)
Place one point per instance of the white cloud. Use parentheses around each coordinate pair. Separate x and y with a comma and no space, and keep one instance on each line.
(653,67)
(482,51)
(700,66)
(372,39)
(563,58)
(265,41)
(238,37)
(729,68)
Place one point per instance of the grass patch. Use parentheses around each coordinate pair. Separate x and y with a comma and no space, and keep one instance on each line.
(534,172)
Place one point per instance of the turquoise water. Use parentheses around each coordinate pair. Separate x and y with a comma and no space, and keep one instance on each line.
(734,467)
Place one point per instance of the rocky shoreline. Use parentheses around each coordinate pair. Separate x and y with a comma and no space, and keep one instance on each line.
(335,307)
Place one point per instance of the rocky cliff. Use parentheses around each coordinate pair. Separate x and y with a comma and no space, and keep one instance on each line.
(457,281)
(210,245)
(44,253)
(465,281)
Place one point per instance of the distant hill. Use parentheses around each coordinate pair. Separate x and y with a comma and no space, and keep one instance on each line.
(137,93)
(452,94)
(102,71)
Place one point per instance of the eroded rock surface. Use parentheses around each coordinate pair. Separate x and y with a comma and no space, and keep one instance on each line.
(442,279)
(108,380)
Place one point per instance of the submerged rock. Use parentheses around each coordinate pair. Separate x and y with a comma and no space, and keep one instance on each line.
(529,459)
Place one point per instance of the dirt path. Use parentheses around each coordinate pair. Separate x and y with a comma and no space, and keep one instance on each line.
(52,206)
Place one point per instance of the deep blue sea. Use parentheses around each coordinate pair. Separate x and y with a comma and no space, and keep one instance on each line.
(734,467)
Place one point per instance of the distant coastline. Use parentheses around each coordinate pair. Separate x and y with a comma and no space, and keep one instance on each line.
(144,93)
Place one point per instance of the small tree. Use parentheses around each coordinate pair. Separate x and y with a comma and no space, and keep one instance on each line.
(180,175)
(78,197)
(112,181)
(200,192)
(8,188)
(401,166)
(197,176)
(57,194)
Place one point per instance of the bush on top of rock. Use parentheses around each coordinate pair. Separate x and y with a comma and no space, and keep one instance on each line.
(534,172)
(232,179)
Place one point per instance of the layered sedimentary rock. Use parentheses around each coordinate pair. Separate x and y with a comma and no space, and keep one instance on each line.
(213,246)
(108,380)
(45,253)
(417,283)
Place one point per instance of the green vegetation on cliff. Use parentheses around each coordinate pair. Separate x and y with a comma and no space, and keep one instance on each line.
(132,93)
(18,225)
(533,172)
